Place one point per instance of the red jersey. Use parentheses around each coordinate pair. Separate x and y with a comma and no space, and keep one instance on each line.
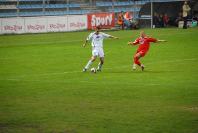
(144,43)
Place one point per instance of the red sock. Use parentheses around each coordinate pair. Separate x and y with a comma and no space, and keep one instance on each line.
(136,61)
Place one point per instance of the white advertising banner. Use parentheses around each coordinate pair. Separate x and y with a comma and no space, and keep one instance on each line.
(12,25)
(56,24)
(35,24)
(43,24)
(77,22)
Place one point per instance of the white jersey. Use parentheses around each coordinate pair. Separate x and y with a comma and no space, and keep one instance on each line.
(97,40)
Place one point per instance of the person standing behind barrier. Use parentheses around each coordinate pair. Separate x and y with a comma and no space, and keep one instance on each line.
(186,9)
(166,20)
(156,21)
(121,20)
(161,22)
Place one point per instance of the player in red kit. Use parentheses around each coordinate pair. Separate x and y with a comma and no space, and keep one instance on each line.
(144,44)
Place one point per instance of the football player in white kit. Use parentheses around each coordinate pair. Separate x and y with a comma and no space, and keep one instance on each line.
(96,39)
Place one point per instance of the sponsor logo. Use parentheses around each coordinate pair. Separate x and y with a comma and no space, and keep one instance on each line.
(35,27)
(77,24)
(105,20)
(13,28)
(57,26)
(101,20)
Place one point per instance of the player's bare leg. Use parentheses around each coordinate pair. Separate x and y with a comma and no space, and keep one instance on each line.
(93,58)
(100,64)
(137,62)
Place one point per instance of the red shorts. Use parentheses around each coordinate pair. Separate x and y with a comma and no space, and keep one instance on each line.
(142,53)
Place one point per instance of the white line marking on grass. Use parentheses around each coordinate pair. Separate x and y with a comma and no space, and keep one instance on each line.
(45,42)
(70,72)
(48,74)
(93,82)
(89,82)
(149,84)
(53,42)
(59,73)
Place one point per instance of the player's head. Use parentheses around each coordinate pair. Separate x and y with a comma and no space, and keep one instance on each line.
(97,29)
(142,34)
(185,3)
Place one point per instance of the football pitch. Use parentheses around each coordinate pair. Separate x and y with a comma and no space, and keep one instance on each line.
(43,88)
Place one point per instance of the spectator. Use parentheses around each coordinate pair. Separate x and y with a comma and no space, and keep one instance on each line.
(161,22)
(186,9)
(156,20)
(127,18)
(166,19)
(121,20)
(179,18)
(134,24)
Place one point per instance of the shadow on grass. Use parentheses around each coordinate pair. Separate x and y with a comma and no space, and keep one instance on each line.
(143,72)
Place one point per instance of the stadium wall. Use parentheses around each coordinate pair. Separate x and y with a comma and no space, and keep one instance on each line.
(20,25)
(43,24)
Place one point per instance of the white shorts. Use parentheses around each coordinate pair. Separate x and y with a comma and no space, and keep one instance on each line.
(99,52)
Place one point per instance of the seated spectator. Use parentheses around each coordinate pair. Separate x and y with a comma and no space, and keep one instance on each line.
(179,18)
(127,18)
(134,24)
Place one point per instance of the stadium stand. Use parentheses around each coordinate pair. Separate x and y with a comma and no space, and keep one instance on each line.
(17,8)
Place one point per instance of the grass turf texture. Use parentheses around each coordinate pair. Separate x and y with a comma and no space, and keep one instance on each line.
(42,88)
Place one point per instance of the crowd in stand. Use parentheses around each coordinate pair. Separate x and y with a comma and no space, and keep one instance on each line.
(163,20)
(126,21)
(160,20)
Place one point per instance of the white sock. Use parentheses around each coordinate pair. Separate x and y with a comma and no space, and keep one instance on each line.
(88,64)
(134,66)
(99,66)
(142,65)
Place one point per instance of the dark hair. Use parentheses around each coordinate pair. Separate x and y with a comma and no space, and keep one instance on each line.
(98,27)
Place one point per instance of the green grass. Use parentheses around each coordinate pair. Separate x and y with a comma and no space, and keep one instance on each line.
(42,88)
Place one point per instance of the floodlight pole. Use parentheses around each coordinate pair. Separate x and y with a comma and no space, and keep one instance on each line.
(113,5)
(43,6)
(17,8)
(134,10)
(151,14)
(67,6)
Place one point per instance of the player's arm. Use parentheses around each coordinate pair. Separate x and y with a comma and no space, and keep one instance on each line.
(87,39)
(155,40)
(114,37)
(85,43)
(134,43)
(109,36)
(161,40)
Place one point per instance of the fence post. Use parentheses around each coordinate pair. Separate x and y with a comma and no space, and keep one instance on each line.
(67,6)
(43,6)
(17,8)
(151,14)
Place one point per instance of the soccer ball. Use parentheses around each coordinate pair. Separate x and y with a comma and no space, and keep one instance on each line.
(93,70)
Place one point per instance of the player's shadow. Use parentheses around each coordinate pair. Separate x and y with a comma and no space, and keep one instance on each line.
(161,71)
(143,72)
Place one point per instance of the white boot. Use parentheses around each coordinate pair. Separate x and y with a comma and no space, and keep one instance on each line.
(134,66)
